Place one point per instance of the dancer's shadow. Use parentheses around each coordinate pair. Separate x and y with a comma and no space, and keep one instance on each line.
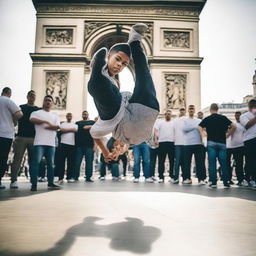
(130,235)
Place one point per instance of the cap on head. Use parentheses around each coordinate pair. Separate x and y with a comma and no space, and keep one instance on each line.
(122,47)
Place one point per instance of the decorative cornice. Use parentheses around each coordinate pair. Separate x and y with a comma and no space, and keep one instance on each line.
(176,60)
(59,57)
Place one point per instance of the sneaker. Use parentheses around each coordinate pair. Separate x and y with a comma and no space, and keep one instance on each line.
(136,180)
(33,188)
(14,184)
(187,182)
(2,186)
(102,178)
(231,182)
(211,185)
(154,178)
(60,182)
(226,185)
(173,181)
(239,184)
(245,183)
(42,179)
(89,180)
(140,28)
(202,182)
(253,184)
(161,181)
(53,186)
(71,180)
(149,180)
(137,32)
(116,178)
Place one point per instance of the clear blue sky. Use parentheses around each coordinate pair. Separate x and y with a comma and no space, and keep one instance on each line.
(227,43)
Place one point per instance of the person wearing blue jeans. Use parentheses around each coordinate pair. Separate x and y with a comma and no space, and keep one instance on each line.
(217,127)
(46,125)
(142,152)
(123,113)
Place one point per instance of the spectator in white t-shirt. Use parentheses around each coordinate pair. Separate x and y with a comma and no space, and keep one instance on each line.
(248,121)
(235,146)
(46,125)
(164,137)
(67,149)
(179,145)
(9,114)
(193,146)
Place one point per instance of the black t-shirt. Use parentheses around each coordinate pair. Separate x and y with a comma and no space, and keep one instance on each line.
(25,127)
(216,126)
(83,136)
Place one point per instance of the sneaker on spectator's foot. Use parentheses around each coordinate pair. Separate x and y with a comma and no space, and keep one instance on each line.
(136,180)
(149,180)
(187,182)
(40,179)
(154,178)
(253,184)
(14,184)
(173,181)
(239,183)
(60,182)
(202,182)
(33,188)
(211,185)
(226,185)
(245,183)
(231,182)
(102,178)
(53,186)
(71,180)
(2,186)
(89,180)
(161,181)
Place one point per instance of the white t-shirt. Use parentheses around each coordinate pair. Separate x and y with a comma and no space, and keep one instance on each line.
(191,132)
(179,135)
(165,131)
(45,137)
(7,109)
(251,132)
(237,139)
(68,137)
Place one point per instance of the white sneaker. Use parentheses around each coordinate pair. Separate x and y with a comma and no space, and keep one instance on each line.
(161,181)
(102,178)
(60,182)
(245,183)
(137,32)
(253,184)
(149,180)
(14,184)
(187,182)
(154,178)
(202,182)
(173,181)
(2,186)
(71,180)
(116,179)
(136,180)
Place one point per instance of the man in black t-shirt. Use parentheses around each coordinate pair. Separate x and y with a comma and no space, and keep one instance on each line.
(216,127)
(84,147)
(24,139)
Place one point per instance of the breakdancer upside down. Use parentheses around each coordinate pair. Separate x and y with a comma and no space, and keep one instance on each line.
(129,117)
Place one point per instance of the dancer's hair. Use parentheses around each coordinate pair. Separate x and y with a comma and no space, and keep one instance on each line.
(121,47)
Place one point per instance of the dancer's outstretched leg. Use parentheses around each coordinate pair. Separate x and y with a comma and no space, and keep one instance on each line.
(106,95)
(144,90)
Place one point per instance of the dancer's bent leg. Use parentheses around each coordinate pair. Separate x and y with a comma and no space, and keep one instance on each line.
(105,94)
(144,90)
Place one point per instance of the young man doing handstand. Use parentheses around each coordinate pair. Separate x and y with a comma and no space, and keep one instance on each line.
(129,117)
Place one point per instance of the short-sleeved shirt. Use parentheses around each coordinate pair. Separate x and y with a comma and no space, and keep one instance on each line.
(191,132)
(165,131)
(45,137)
(83,137)
(68,137)
(179,135)
(216,127)
(250,133)
(25,127)
(7,109)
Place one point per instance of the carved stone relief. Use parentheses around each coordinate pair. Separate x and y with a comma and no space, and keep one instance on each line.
(175,90)
(59,36)
(177,39)
(56,86)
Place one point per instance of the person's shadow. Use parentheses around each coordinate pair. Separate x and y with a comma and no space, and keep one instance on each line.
(130,235)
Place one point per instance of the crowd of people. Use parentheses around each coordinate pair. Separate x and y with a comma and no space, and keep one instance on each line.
(216,143)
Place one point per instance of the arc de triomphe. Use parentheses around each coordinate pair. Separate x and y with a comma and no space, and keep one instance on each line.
(69,32)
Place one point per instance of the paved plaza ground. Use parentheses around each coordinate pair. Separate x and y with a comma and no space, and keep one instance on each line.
(124,219)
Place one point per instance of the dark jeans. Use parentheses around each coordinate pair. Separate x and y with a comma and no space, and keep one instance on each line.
(238,154)
(250,158)
(5,146)
(179,161)
(217,151)
(66,152)
(88,154)
(229,163)
(106,95)
(198,152)
(153,157)
(123,158)
(38,153)
(141,151)
(165,148)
